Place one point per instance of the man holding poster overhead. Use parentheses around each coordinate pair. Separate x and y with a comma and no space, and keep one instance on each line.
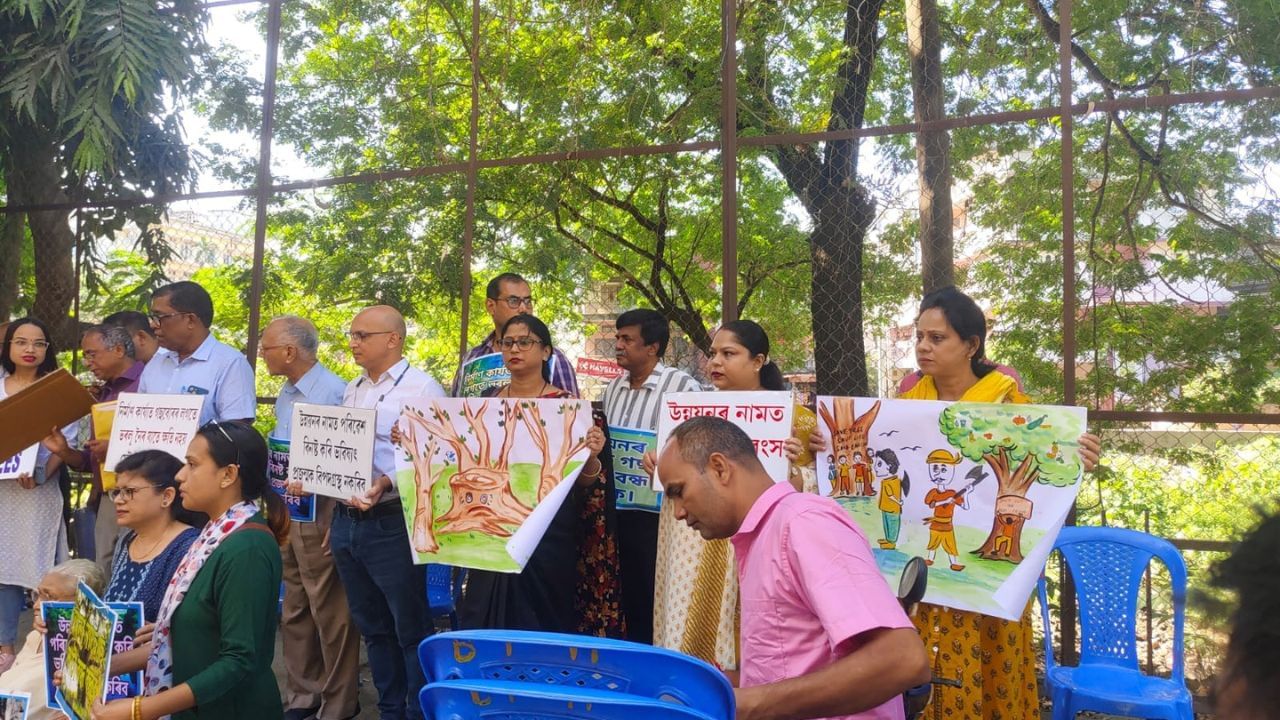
(315,623)
(506,296)
(632,404)
(386,591)
(192,361)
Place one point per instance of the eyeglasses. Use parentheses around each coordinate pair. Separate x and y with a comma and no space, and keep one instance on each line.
(218,426)
(359,336)
(126,493)
(524,343)
(262,349)
(157,318)
(33,344)
(515,301)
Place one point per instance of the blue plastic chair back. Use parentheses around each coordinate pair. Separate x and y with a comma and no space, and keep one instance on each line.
(577,661)
(443,590)
(499,700)
(1107,565)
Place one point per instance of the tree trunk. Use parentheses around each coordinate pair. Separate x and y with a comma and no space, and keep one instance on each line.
(37,173)
(836,249)
(1012,510)
(13,234)
(483,502)
(933,147)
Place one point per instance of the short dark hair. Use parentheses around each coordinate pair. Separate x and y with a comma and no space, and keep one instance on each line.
(705,434)
(188,297)
(50,362)
(753,337)
(654,327)
(1253,572)
(538,328)
(130,320)
(495,285)
(160,469)
(889,457)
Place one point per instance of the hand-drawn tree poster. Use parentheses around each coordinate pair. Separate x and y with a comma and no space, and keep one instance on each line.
(87,663)
(979,490)
(481,479)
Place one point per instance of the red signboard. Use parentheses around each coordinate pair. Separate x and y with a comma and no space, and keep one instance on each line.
(598,368)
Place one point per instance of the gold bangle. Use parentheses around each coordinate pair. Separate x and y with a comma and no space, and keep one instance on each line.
(137,708)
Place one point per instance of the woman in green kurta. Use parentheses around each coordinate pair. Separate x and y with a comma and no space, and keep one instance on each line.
(211,650)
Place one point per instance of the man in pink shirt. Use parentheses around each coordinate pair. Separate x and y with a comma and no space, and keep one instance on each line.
(822,634)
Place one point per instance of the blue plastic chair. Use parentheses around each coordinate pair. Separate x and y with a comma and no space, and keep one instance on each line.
(498,700)
(444,587)
(577,661)
(1107,565)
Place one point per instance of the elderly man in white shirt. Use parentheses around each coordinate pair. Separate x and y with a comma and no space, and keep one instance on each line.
(385,590)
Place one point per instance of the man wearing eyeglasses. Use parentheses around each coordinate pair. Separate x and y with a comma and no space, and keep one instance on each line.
(109,354)
(192,362)
(370,543)
(509,295)
(321,644)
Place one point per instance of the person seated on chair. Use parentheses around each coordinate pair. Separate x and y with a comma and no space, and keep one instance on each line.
(822,634)
(1246,687)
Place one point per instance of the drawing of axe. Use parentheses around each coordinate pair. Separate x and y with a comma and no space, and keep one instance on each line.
(977,475)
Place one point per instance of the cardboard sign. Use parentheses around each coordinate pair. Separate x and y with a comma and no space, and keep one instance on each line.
(55,400)
(632,483)
(765,417)
(153,422)
(103,415)
(331,449)
(302,508)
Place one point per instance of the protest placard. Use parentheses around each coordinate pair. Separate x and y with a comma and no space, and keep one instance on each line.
(14,705)
(21,464)
(627,447)
(980,490)
(153,422)
(764,416)
(331,449)
(87,661)
(483,373)
(55,400)
(302,508)
(481,479)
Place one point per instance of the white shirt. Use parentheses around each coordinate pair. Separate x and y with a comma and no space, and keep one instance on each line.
(640,408)
(386,394)
(218,372)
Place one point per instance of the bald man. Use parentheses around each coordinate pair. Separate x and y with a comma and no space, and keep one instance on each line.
(321,644)
(385,590)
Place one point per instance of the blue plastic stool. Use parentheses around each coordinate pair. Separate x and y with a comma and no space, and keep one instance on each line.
(577,661)
(479,699)
(1107,565)
(444,587)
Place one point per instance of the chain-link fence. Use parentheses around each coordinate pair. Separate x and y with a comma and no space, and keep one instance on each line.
(1111,202)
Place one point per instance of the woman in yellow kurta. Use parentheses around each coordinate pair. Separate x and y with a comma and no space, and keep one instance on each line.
(993,659)
(696,587)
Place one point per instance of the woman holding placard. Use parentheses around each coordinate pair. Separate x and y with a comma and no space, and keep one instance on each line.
(159,530)
(210,653)
(696,588)
(549,593)
(30,505)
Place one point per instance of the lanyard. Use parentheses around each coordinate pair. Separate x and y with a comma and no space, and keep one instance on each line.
(383,396)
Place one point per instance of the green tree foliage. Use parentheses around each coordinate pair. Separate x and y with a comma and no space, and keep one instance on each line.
(90,91)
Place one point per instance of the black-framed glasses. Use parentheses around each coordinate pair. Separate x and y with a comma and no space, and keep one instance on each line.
(158,318)
(524,343)
(359,336)
(127,493)
(515,301)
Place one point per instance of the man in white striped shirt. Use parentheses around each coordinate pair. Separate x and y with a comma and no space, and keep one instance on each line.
(633,401)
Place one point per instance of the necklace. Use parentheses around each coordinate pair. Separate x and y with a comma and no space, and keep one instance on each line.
(148,555)
(507,390)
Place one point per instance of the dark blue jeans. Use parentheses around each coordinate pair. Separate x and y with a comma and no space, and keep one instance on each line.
(388,598)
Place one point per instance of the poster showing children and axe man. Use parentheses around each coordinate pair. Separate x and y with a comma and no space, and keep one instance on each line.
(992,487)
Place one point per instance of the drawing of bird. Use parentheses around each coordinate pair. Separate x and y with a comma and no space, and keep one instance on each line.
(891,433)
(910,447)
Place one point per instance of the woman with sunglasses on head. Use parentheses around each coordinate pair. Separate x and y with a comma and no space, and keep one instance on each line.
(159,530)
(570,583)
(31,505)
(210,653)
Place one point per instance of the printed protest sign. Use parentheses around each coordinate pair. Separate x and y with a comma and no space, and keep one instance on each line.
(302,508)
(14,705)
(331,449)
(628,446)
(980,489)
(153,422)
(483,373)
(57,619)
(481,479)
(764,416)
(87,662)
(21,464)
